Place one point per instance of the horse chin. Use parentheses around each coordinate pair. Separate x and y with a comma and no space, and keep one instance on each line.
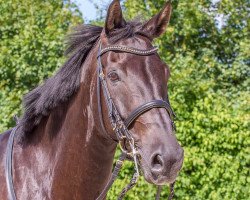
(158,180)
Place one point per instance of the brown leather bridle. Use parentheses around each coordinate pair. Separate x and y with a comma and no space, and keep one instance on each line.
(121,126)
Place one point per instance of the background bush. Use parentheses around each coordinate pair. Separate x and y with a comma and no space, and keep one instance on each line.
(209,85)
(31,47)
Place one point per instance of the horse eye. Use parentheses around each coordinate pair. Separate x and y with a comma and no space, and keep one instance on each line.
(113,76)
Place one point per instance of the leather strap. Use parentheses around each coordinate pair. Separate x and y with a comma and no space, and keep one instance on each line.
(104,130)
(171,195)
(8,165)
(129,186)
(158,194)
(113,177)
(146,107)
(125,49)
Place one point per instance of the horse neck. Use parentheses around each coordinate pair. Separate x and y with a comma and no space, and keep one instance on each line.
(75,156)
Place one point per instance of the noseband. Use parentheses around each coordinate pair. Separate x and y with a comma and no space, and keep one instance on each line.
(121,126)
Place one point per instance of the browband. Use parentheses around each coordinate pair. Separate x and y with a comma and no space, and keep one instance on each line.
(126,49)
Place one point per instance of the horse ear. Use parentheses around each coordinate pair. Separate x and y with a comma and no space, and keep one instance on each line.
(114,18)
(158,24)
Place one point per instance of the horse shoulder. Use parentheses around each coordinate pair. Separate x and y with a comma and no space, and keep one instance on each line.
(3,144)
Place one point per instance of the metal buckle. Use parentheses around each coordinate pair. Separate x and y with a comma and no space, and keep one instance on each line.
(134,153)
(101,75)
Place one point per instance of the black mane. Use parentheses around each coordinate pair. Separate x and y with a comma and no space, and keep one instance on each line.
(58,89)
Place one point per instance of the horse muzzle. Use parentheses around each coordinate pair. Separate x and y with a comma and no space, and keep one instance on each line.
(162,168)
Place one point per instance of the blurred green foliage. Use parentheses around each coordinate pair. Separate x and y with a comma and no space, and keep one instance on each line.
(31,47)
(209,85)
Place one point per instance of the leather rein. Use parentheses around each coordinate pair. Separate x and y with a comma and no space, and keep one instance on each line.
(120,127)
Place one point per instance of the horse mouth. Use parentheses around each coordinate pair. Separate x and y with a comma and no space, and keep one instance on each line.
(158,179)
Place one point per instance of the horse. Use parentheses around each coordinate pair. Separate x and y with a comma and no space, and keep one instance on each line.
(111,90)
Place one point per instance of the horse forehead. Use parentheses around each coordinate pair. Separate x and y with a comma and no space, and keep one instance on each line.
(138,41)
(132,62)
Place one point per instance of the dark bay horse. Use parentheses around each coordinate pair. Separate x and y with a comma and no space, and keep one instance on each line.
(60,150)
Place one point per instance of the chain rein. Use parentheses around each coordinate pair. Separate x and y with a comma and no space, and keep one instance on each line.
(119,126)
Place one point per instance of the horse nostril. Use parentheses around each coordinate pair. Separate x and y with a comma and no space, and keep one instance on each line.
(157,160)
(157,164)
